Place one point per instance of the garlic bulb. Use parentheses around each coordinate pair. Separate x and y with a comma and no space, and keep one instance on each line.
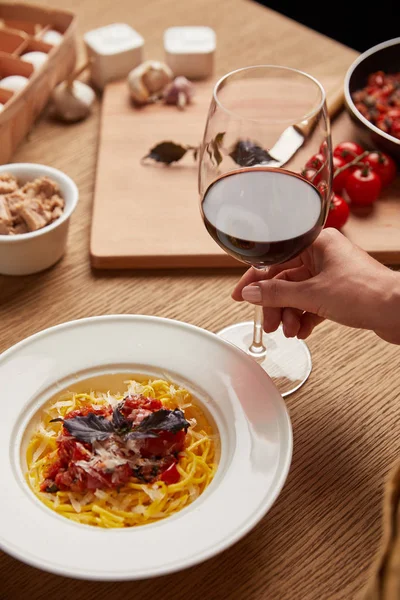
(179,92)
(37,59)
(73,102)
(14,83)
(52,37)
(147,81)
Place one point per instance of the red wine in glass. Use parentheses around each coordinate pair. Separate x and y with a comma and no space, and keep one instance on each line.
(263,216)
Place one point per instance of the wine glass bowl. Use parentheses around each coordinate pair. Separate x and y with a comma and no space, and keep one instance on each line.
(265,174)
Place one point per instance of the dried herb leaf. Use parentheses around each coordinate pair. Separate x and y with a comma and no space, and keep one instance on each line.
(161,420)
(97,427)
(213,148)
(167,153)
(247,154)
(120,423)
(90,428)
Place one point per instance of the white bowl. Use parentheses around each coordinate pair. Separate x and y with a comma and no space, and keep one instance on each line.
(32,252)
(251,416)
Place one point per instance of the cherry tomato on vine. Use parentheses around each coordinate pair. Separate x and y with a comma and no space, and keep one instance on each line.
(309,174)
(338,181)
(338,212)
(323,149)
(315,162)
(363,186)
(383,165)
(348,151)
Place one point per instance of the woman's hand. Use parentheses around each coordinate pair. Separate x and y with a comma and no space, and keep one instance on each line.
(332,279)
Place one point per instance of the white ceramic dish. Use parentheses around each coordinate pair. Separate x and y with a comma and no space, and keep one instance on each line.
(254,426)
(32,252)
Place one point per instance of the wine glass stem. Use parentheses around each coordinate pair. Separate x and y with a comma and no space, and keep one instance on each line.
(257,348)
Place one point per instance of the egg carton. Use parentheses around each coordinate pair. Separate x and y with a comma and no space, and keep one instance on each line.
(31,29)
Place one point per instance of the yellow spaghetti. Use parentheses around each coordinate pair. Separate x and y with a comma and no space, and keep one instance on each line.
(135,502)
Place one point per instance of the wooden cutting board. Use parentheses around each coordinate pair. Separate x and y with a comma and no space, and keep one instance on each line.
(147,217)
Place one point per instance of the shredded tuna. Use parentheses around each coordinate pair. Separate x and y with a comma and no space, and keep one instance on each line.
(29,208)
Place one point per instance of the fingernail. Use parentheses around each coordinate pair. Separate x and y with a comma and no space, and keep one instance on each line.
(252,293)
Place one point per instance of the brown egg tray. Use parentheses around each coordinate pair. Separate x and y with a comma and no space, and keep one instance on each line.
(21,29)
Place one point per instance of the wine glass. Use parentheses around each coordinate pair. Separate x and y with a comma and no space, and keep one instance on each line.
(259,199)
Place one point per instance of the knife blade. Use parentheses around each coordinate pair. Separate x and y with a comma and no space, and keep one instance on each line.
(293,137)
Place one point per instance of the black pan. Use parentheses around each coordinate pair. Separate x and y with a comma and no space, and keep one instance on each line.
(382,57)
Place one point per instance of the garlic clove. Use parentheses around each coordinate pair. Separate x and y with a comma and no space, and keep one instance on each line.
(138,91)
(37,59)
(148,80)
(14,83)
(180,92)
(73,102)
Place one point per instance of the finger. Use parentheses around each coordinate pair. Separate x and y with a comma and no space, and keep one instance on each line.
(273,316)
(290,264)
(272,319)
(291,321)
(278,293)
(298,274)
(249,277)
(308,322)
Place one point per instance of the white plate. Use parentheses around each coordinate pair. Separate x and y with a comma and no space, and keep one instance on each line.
(254,425)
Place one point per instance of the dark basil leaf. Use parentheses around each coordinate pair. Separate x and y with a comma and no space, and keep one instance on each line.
(90,428)
(248,154)
(162,420)
(167,152)
(120,422)
(51,489)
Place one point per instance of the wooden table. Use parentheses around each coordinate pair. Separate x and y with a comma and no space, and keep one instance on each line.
(320,538)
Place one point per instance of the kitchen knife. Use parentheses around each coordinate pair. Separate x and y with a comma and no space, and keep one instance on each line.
(293,137)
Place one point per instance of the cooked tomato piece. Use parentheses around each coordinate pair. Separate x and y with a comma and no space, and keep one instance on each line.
(170,475)
(139,401)
(106,411)
(166,443)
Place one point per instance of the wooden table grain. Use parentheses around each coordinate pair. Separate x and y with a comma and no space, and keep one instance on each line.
(320,538)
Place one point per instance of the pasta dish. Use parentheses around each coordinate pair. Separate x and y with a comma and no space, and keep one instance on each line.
(119,460)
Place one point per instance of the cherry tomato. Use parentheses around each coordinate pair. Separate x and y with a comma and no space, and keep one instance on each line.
(348,151)
(338,212)
(322,187)
(363,186)
(309,174)
(315,162)
(383,165)
(339,180)
(170,475)
(323,149)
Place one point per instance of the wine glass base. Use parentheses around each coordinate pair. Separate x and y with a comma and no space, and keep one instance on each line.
(287,360)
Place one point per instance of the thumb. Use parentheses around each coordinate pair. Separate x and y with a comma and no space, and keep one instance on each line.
(278,293)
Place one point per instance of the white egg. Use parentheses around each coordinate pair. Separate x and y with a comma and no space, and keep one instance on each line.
(15,83)
(37,59)
(52,37)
